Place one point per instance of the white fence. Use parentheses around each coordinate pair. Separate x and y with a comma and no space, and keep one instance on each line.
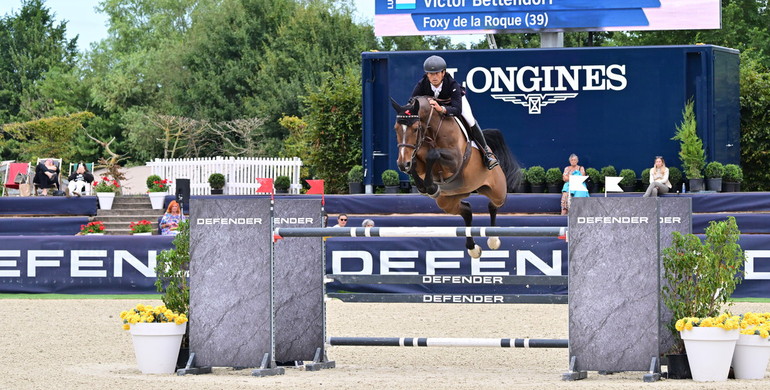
(240,173)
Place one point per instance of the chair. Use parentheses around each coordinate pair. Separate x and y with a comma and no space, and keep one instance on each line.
(73,166)
(58,163)
(10,176)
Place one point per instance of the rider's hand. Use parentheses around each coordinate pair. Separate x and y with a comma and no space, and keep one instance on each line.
(437,106)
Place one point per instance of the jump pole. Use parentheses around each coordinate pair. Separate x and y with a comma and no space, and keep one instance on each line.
(427,231)
(447,342)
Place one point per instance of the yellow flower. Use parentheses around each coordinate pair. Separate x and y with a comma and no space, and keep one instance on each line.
(126,326)
(763,333)
(680,325)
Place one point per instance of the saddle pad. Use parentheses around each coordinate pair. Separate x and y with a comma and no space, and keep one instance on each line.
(465,132)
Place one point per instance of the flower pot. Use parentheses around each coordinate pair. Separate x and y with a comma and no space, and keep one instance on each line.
(522,188)
(94,234)
(537,188)
(142,234)
(752,354)
(156,346)
(391,189)
(105,200)
(714,184)
(555,188)
(355,187)
(157,198)
(730,186)
(710,351)
(281,191)
(217,191)
(678,366)
(630,188)
(696,185)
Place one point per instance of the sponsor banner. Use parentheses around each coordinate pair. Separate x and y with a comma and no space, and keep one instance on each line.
(443,17)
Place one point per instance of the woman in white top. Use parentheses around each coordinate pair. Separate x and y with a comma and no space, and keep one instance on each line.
(659,183)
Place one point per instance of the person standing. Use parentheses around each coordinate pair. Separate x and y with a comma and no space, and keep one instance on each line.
(572,169)
(659,183)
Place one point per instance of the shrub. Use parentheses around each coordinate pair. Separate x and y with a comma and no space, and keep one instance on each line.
(629,177)
(691,146)
(714,170)
(152,179)
(172,269)
(390,177)
(523,176)
(674,176)
(594,175)
(646,176)
(356,174)
(609,170)
(536,175)
(553,176)
(217,181)
(733,173)
(282,183)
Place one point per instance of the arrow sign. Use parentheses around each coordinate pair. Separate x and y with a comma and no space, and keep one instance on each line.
(576,183)
(611,184)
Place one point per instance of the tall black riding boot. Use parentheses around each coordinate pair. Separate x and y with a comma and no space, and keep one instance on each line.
(486,152)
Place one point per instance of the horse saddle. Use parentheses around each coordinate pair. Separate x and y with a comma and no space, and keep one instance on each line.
(464,128)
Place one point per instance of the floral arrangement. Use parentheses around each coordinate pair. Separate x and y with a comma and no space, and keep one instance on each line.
(756,323)
(159,186)
(143,226)
(106,185)
(724,321)
(92,227)
(149,314)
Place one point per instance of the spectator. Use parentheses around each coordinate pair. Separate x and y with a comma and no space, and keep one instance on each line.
(171,219)
(47,176)
(367,223)
(342,220)
(80,180)
(659,183)
(572,169)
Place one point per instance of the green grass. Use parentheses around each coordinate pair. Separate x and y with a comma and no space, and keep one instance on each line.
(73,296)
(757,300)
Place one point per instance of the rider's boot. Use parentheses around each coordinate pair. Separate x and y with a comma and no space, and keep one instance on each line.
(489,158)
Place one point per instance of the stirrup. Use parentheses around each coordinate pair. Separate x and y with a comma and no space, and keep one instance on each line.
(491,161)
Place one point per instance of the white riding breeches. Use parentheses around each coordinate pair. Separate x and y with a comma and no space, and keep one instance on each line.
(77,186)
(467,113)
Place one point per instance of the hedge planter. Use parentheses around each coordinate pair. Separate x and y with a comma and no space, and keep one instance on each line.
(714,184)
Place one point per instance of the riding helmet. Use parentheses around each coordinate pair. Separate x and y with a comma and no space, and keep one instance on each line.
(434,64)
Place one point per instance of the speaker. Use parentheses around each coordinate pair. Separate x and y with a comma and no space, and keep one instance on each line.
(183,193)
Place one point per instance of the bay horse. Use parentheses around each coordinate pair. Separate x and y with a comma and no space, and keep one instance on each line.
(436,153)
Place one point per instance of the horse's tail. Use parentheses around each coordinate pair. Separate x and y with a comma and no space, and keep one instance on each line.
(507,160)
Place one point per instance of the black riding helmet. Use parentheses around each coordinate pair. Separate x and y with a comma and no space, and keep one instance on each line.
(434,64)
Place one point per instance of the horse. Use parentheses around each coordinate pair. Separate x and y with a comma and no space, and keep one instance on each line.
(436,153)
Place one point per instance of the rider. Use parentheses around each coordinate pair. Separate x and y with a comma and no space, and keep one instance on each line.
(450,100)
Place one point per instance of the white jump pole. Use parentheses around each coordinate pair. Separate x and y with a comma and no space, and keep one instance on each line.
(447,342)
(424,231)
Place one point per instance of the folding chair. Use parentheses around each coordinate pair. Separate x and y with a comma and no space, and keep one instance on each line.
(71,170)
(9,181)
(58,163)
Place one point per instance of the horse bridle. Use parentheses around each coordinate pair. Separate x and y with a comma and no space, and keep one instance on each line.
(420,134)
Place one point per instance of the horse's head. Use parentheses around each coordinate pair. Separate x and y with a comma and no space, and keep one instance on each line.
(409,133)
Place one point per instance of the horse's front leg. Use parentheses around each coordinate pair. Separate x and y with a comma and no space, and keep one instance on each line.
(493,242)
(431,158)
(418,182)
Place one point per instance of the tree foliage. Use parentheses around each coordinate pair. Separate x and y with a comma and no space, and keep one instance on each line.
(47,137)
(755,124)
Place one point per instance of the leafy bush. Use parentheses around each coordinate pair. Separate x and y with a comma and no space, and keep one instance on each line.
(390,177)
(553,176)
(282,183)
(171,270)
(733,173)
(755,121)
(609,170)
(646,176)
(536,175)
(356,174)
(674,176)
(714,170)
(217,181)
(151,180)
(523,175)
(594,175)
(629,177)
(691,151)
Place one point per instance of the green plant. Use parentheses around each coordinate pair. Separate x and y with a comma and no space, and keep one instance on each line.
(356,174)
(609,170)
(171,271)
(390,177)
(701,276)
(151,315)
(106,185)
(523,176)
(216,181)
(159,186)
(646,176)
(674,176)
(594,175)
(691,146)
(282,183)
(92,227)
(143,226)
(536,175)
(553,176)
(629,177)
(152,179)
(733,173)
(714,170)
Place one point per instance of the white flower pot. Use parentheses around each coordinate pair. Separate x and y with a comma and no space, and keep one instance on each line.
(709,351)
(157,346)
(94,234)
(142,234)
(752,354)
(105,200)
(157,198)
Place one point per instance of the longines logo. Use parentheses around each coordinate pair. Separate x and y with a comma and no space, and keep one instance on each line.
(538,86)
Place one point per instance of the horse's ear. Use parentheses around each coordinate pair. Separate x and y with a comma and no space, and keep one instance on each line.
(395,105)
(415,106)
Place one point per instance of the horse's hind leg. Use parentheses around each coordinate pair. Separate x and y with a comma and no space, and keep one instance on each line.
(467,214)
(493,242)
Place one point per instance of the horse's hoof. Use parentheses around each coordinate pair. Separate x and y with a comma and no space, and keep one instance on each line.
(435,194)
(493,243)
(475,252)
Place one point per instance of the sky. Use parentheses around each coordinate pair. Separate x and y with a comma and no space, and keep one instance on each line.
(84,20)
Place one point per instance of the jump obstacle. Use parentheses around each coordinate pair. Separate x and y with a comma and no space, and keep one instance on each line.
(430,231)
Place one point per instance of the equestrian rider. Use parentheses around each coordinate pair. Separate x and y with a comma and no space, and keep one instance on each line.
(450,100)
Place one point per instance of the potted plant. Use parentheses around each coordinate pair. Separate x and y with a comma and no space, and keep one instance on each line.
(141,228)
(94,227)
(554,180)
(157,191)
(752,351)
(536,178)
(710,344)
(390,180)
(691,148)
(523,184)
(731,181)
(172,270)
(675,178)
(105,192)
(217,183)
(282,184)
(646,177)
(714,172)
(157,335)
(609,170)
(594,178)
(355,179)
(699,277)
(628,181)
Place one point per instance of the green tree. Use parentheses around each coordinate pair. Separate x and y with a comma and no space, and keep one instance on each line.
(755,124)
(47,137)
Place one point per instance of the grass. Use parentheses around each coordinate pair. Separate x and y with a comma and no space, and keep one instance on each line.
(79,296)
(755,300)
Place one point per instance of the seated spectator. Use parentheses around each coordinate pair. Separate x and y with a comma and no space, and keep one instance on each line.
(367,223)
(171,219)
(342,220)
(80,180)
(659,183)
(46,176)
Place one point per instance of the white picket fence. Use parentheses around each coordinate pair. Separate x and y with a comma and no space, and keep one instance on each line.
(240,172)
